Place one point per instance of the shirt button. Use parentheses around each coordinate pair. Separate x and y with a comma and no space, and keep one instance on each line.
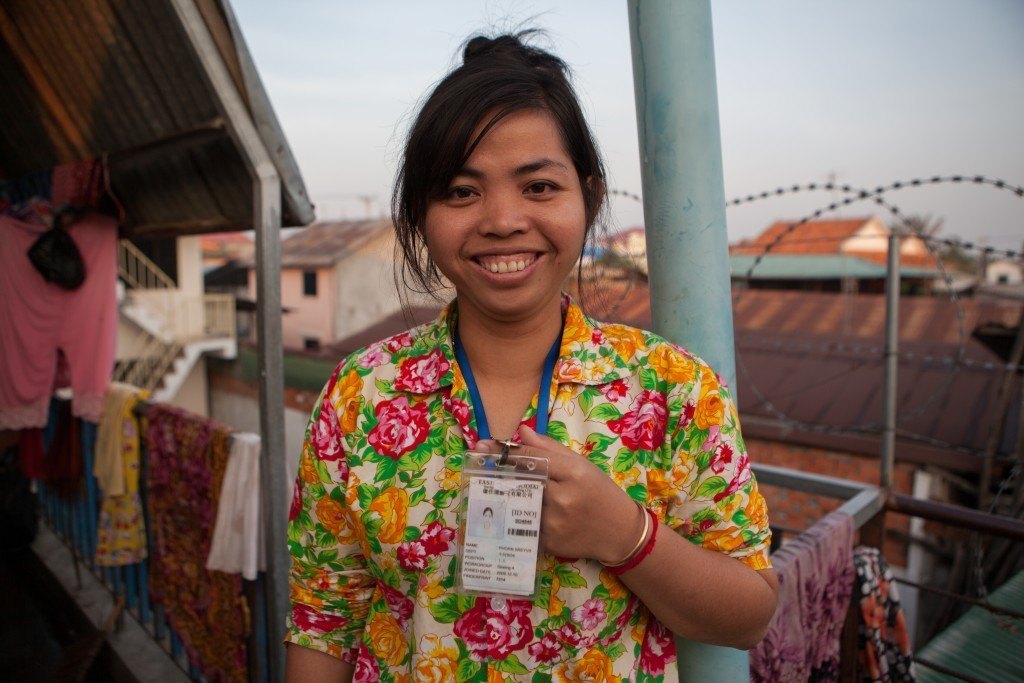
(498,604)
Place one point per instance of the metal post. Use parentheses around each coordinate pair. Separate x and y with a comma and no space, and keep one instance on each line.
(267,224)
(684,210)
(892,344)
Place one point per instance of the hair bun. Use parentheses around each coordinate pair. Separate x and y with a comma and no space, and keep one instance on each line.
(482,46)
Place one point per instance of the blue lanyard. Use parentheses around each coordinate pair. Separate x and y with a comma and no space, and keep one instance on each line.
(482,430)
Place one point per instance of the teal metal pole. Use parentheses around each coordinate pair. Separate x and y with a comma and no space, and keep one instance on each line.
(684,212)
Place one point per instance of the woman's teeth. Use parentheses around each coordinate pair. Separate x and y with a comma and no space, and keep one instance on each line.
(507,266)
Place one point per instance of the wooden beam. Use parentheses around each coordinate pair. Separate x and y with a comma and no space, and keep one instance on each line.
(75,142)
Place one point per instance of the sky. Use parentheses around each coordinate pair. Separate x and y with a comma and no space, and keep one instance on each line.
(866,92)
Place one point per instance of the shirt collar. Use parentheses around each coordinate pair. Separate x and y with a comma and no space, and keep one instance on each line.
(591,353)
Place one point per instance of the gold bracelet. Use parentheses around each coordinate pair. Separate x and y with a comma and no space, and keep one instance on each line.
(640,543)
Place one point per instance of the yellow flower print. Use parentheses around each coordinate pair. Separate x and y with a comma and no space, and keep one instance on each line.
(440,661)
(352,494)
(723,540)
(448,479)
(307,468)
(494,676)
(350,401)
(625,340)
(627,478)
(393,507)
(576,328)
(331,514)
(612,584)
(756,509)
(710,409)
(593,667)
(387,639)
(428,590)
(672,366)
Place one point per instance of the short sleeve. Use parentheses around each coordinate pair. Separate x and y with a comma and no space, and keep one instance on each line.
(330,586)
(715,501)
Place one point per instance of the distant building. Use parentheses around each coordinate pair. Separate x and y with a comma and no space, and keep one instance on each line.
(1004,272)
(336,279)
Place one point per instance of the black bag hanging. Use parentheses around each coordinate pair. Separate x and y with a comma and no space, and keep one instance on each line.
(55,255)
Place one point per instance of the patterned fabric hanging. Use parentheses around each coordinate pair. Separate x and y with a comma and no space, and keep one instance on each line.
(186,459)
(121,529)
(885,655)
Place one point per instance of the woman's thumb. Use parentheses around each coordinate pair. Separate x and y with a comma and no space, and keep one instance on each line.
(530,437)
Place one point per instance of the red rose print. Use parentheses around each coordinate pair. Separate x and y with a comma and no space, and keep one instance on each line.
(689,410)
(643,427)
(546,649)
(570,634)
(738,481)
(400,605)
(325,434)
(399,341)
(613,391)
(296,500)
(400,427)
(458,409)
(309,620)
(657,650)
(495,634)
(422,374)
(367,669)
(436,538)
(412,556)
(373,357)
(722,458)
(597,337)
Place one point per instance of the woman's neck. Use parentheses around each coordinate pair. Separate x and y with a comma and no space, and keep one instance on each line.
(509,351)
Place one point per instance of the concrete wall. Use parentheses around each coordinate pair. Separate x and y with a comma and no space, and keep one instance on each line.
(308,316)
(365,287)
(194,394)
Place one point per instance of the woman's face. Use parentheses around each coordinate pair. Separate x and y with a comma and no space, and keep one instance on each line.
(512,224)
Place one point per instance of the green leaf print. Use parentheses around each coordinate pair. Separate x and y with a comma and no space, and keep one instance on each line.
(741,519)
(417,495)
(411,533)
(383,386)
(709,487)
(569,576)
(624,460)
(600,441)
(649,379)
(615,651)
(446,609)
(469,670)
(703,460)
(603,413)
(586,399)
(558,432)
(386,470)
(638,492)
(511,665)
(366,493)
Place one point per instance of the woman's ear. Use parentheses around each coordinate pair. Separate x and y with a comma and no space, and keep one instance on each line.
(595,189)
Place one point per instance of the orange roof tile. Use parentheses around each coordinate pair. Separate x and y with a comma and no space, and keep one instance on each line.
(813,237)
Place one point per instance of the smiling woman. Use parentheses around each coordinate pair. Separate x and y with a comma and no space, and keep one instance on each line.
(500,186)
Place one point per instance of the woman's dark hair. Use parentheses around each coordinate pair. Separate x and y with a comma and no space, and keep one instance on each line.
(498,76)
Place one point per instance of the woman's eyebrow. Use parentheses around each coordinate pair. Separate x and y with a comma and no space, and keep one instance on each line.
(525,169)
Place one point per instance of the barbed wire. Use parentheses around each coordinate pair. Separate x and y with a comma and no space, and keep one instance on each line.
(861,194)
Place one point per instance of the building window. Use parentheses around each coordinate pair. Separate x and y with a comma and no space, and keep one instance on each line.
(309,283)
(311,343)
(1003,279)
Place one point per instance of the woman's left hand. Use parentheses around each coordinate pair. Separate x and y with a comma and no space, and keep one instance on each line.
(585,514)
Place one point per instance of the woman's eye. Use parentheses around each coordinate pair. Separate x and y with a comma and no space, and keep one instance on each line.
(460,193)
(539,188)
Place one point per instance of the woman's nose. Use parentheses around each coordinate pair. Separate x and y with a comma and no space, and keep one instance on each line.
(504,215)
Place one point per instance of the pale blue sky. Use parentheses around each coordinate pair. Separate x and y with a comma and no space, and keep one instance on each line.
(873,91)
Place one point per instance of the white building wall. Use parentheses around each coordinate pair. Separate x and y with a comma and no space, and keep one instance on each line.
(1003,272)
(194,395)
(365,288)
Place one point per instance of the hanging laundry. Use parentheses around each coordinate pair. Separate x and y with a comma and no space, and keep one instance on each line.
(32,453)
(38,318)
(816,578)
(63,466)
(238,546)
(186,458)
(120,529)
(885,654)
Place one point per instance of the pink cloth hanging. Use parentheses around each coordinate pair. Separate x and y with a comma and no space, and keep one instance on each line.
(38,318)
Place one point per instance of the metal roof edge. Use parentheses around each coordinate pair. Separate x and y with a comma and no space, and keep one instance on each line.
(293,189)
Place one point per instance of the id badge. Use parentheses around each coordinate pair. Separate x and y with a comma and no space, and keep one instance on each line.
(499,531)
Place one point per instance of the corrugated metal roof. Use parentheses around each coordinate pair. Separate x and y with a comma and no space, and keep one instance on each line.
(980,644)
(817,358)
(323,244)
(815,267)
(83,78)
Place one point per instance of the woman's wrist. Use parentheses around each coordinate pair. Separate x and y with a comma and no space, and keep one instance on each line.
(626,545)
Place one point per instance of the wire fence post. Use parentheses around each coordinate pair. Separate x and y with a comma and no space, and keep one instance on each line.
(891,365)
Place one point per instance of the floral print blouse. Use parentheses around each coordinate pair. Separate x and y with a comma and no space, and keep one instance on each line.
(373,518)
